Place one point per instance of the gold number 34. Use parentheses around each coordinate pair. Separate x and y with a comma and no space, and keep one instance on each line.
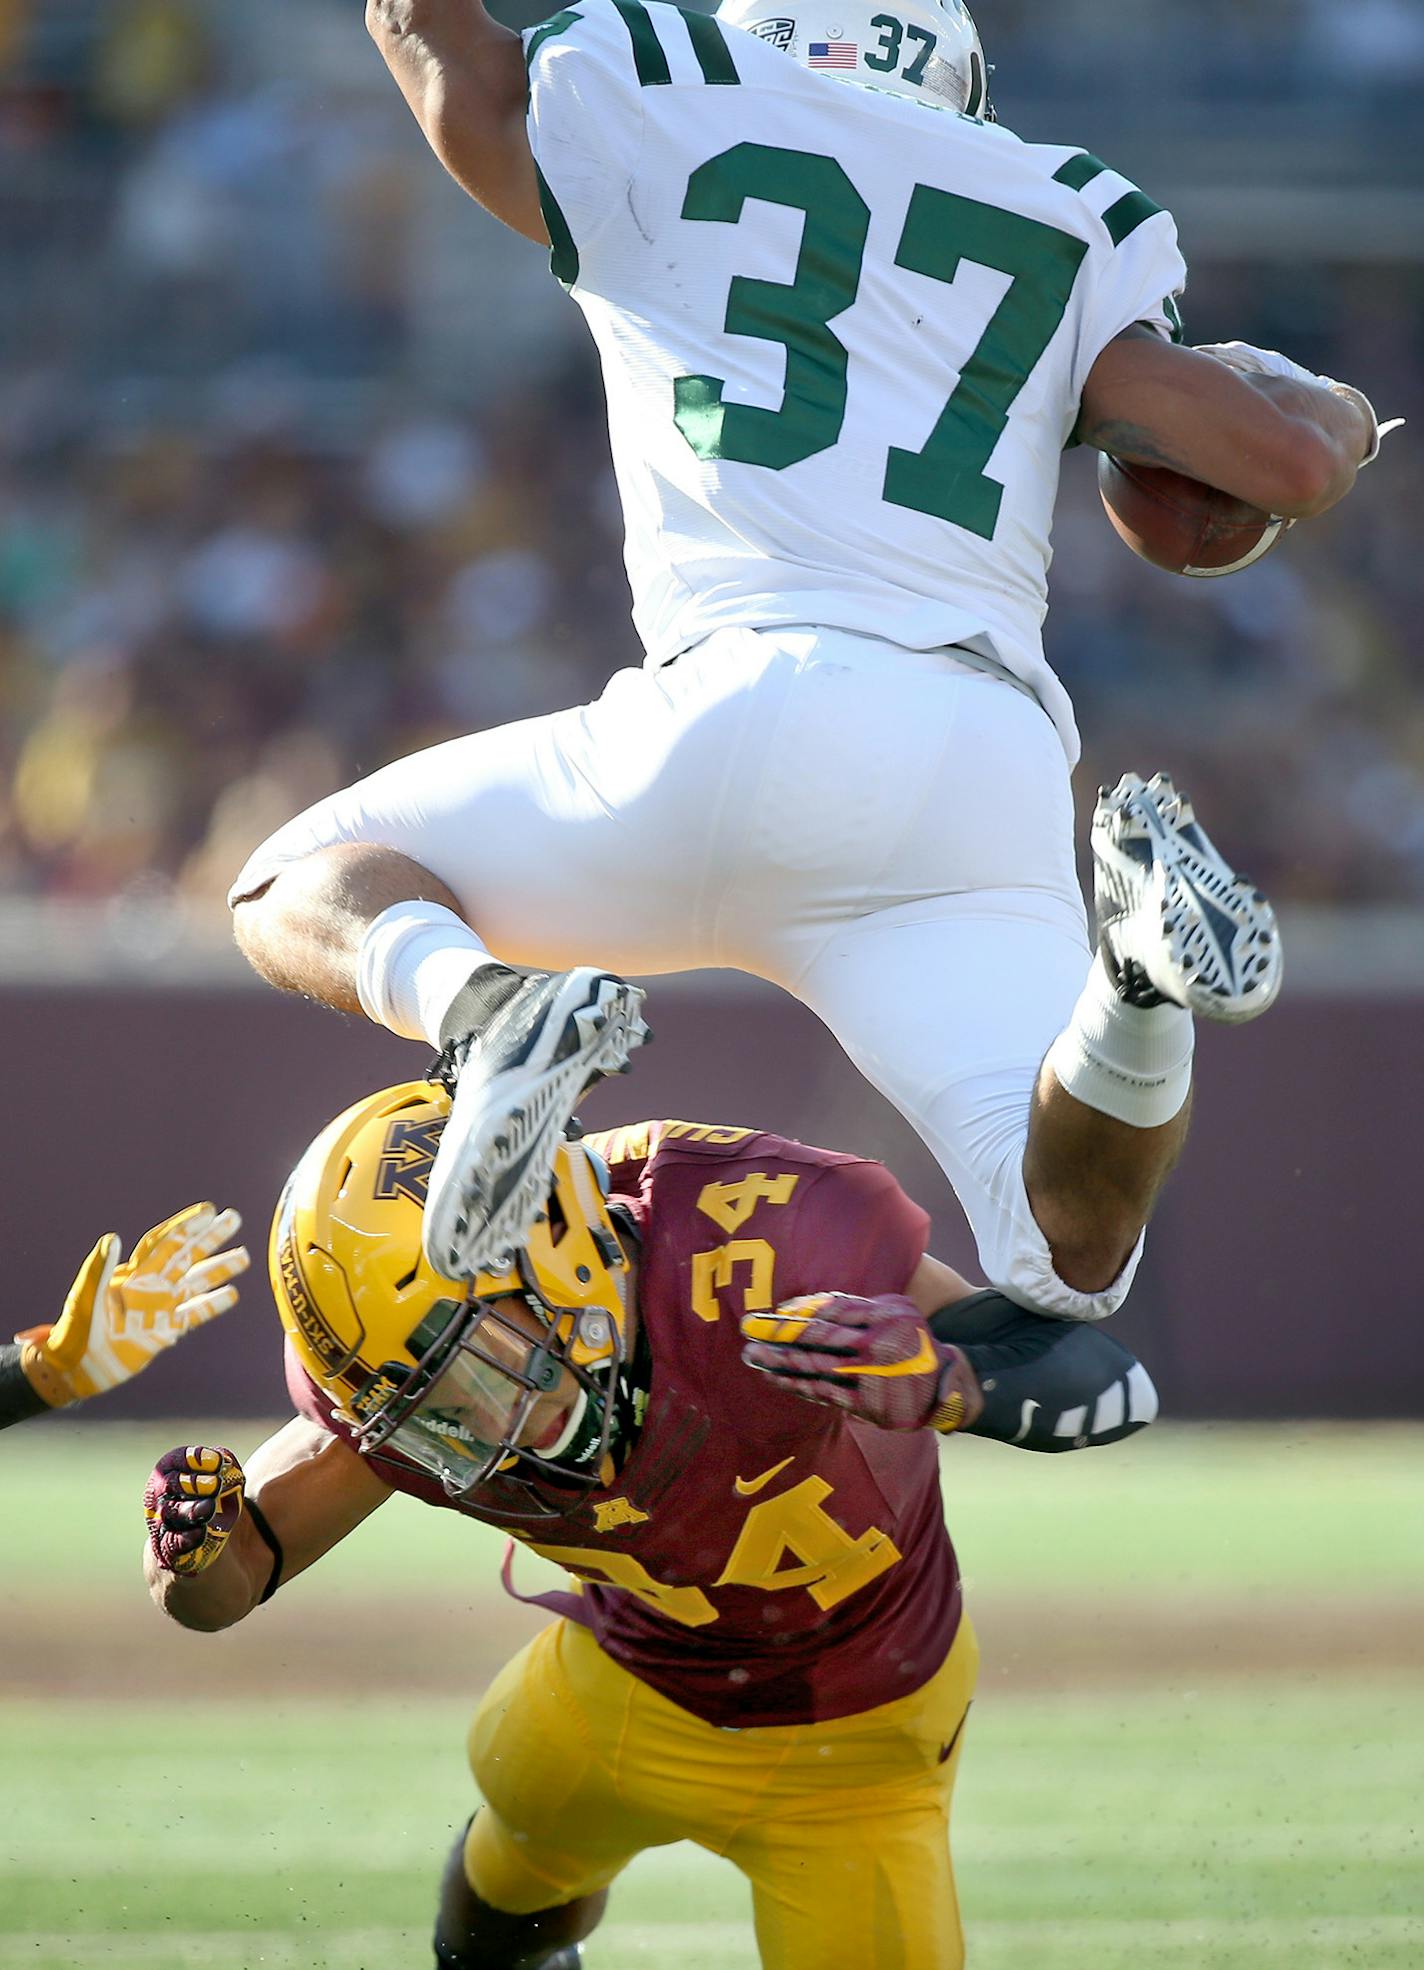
(829,1563)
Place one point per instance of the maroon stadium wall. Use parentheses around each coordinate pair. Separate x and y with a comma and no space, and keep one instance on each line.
(1279,1279)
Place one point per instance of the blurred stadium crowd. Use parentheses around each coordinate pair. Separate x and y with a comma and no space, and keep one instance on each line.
(302,462)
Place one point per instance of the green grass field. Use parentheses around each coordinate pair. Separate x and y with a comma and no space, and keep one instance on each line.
(1199,1739)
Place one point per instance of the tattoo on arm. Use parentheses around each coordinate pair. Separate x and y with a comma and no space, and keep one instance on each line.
(1126,441)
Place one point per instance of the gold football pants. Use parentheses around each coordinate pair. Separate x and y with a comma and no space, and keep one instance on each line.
(842,1827)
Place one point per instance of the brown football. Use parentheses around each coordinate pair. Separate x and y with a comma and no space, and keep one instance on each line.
(1181,525)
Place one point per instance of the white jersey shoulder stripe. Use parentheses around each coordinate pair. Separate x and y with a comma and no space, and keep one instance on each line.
(665,45)
(606,53)
(542,31)
(698,48)
(649,58)
(1115,200)
(619,33)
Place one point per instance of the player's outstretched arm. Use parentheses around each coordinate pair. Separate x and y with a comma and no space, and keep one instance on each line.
(464,78)
(120,1317)
(1290,444)
(221,1539)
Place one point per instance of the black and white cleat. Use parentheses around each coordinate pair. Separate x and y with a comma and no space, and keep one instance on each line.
(1175,921)
(518,1081)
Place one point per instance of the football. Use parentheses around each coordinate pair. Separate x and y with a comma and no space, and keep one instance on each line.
(1181,525)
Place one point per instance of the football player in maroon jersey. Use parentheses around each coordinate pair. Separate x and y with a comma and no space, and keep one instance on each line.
(709,1383)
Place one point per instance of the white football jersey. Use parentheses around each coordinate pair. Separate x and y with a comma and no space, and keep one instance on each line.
(844,335)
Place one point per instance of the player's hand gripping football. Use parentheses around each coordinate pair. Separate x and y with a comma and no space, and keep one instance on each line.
(1250,361)
(117,1318)
(192,1501)
(875,1358)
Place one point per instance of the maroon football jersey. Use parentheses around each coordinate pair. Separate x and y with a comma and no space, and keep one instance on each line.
(759,1560)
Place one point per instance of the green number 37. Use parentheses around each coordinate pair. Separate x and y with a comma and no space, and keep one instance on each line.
(893,35)
(942,231)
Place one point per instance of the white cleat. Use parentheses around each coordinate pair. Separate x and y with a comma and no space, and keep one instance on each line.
(1173,917)
(520,1079)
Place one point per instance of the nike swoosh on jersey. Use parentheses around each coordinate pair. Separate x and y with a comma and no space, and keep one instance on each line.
(744,1487)
(926,1358)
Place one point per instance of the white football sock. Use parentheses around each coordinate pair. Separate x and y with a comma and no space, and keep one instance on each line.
(413,960)
(1131,1062)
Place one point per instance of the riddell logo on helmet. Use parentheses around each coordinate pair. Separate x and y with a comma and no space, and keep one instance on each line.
(780,32)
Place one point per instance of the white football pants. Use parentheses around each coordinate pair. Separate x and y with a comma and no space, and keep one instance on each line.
(886,833)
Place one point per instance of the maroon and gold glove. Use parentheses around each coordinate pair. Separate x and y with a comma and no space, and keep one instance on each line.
(192,1501)
(876,1358)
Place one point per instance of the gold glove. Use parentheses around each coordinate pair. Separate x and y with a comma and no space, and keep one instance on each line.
(118,1317)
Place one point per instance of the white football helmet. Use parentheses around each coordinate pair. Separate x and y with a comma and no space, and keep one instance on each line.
(928,50)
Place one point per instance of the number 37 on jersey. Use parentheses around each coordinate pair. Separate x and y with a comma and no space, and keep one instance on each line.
(844,336)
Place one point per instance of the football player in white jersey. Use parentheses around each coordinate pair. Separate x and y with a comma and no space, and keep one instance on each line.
(846,334)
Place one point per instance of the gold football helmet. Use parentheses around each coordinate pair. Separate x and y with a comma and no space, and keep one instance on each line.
(450,1375)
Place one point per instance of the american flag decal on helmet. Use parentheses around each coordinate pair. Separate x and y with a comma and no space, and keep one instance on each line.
(779,31)
(831,54)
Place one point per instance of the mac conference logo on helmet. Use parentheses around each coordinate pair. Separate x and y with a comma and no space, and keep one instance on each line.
(334,1353)
(779,31)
